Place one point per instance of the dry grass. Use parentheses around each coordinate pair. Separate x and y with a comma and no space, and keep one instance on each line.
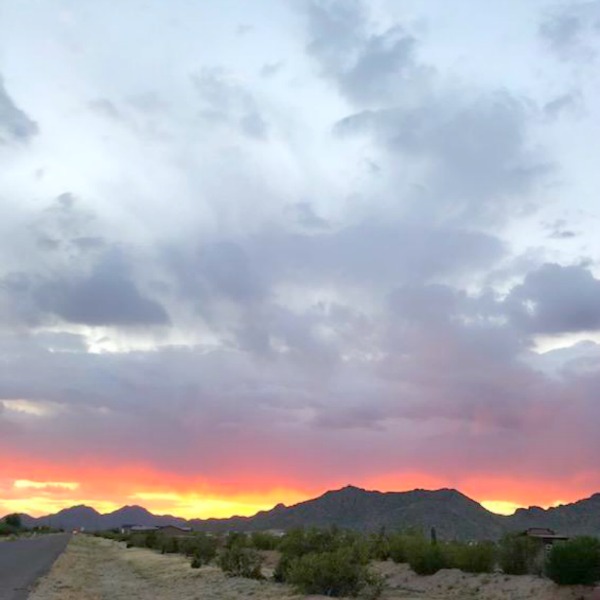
(452,584)
(99,569)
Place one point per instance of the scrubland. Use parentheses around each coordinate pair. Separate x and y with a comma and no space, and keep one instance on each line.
(94,568)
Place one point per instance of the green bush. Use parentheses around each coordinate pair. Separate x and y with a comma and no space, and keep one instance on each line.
(151,540)
(13,521)
(338,573)
(378,546)
(169,545)
(574,562)
(299,542)
(478,557)
(239,561)
(201,547)
(519,555)
(424,557)
(262,540)
(398,548)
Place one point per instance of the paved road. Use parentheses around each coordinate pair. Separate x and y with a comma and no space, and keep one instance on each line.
(22,562)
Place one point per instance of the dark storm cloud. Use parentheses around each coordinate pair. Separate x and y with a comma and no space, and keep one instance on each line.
(556,299)
(15,125)
(107,296)
(572,30)
(71,271)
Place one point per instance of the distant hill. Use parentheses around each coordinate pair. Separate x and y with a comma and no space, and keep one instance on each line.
(579,518)
(450,512)
(454,515)
(77,517)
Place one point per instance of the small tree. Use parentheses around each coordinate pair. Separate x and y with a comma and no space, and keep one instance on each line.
(337,573)
(574,562)
(13,521)
(479,557)
(202,548)
(239,561)
(425,558)
(262,540)
(398,548)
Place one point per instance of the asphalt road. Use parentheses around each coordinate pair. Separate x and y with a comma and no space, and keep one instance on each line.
(23,562)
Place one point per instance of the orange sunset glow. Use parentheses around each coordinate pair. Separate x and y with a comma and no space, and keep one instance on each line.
(51,488)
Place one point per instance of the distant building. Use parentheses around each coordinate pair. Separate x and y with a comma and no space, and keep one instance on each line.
(174,531)
(138,528)
(546,537)
(166,530)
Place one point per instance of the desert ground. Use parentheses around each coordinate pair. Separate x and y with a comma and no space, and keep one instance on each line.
(99,569)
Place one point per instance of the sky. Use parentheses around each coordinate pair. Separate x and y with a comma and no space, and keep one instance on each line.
(253,251)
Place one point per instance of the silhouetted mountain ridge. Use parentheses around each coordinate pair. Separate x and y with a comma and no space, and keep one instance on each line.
(454,515)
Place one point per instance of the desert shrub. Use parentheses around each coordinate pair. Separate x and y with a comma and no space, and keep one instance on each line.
(201,547)
(169,545)
(398,548)
(338,573)
(379,546)
(519,555)
(262,540)
(576,561)
(205,549)
(151,540)
(13,521)
(235,538)
(424,557)
(240,561)
(298,543)
(479,557)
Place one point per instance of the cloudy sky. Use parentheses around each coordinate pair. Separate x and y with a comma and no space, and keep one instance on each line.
(251,251)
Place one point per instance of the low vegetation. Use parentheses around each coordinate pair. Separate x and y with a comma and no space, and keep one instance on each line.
(11,525)
(339,563)
(576,561)
(519,555)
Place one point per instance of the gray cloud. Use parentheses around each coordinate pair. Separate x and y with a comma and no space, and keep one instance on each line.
(570,30)
(228,102)
(556,299)
(15,125)
(366,66)
(570,102)
(346,335)
(476,149)
(472,146)
(107,296)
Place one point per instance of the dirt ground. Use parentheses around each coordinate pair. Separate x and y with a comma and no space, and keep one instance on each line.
(99,569)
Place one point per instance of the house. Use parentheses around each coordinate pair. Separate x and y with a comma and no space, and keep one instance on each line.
(174,531)
(546,537)
(137,528)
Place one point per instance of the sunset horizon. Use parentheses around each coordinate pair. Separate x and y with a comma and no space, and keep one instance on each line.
(252,252)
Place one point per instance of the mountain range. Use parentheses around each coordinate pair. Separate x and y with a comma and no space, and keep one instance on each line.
(454,515)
